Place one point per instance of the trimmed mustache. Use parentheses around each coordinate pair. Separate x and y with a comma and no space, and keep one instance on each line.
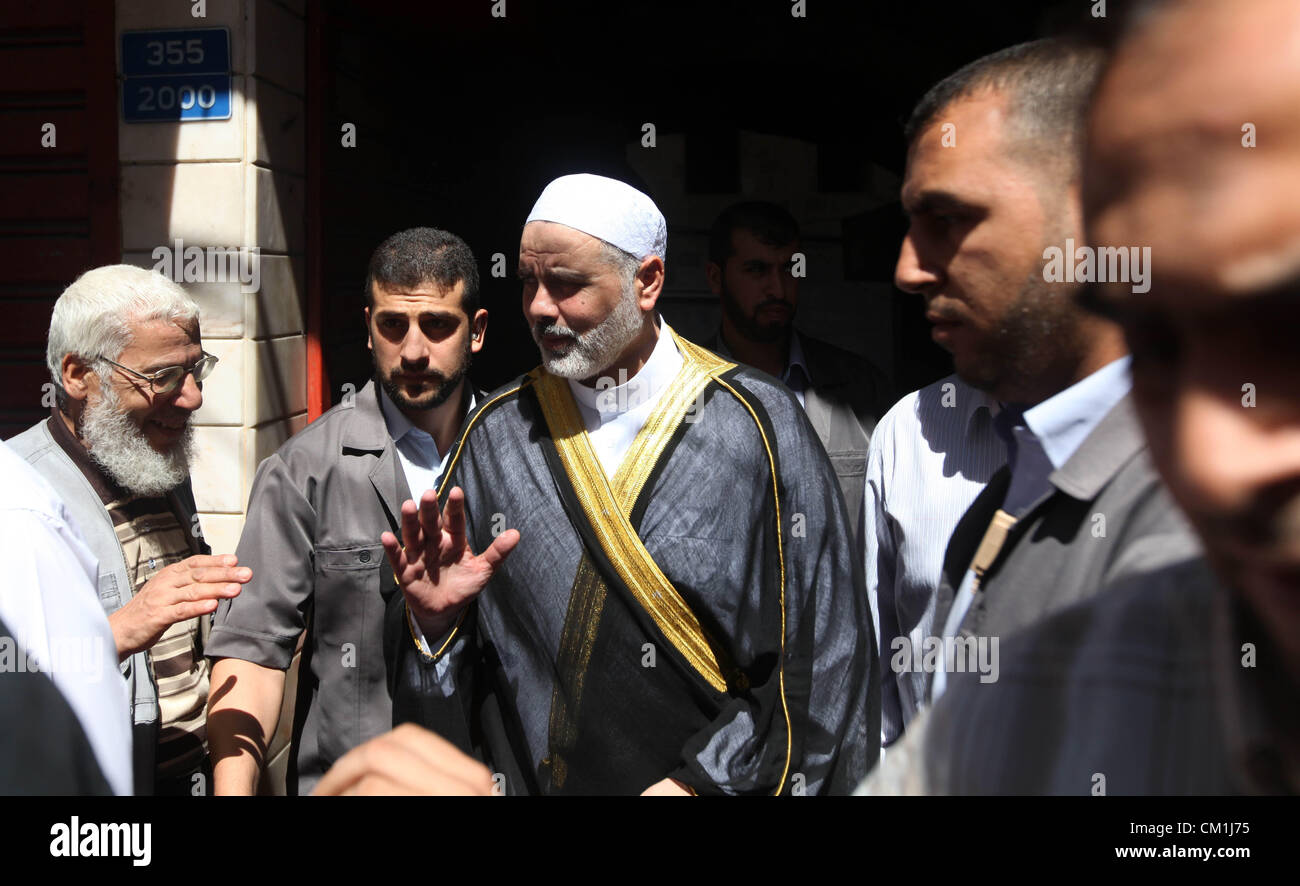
(181,421)
(943,315)
(429,375)
(541,330)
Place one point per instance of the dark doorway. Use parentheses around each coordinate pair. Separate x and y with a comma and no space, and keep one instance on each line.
(461,119)
(58,178)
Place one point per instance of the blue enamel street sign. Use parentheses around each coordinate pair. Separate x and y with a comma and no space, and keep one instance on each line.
(195,51)
(178,97)
(176,75)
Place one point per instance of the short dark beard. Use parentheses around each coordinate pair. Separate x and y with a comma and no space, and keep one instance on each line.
(1039,331)
(748,326)
(447,385)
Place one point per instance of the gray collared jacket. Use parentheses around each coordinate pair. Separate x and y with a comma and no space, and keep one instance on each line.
(1107,516)
(317,509)
(1142,689)
(43,452)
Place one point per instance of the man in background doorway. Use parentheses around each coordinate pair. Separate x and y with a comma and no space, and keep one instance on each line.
(752,254)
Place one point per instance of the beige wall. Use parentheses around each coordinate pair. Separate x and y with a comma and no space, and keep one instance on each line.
(232,183)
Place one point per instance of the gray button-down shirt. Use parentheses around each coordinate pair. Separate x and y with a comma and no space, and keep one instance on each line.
(843,395)
(422,463)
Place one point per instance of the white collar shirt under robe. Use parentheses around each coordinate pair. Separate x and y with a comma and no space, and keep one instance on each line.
(614,413)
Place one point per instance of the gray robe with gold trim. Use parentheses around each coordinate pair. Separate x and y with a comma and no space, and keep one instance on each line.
(563,679)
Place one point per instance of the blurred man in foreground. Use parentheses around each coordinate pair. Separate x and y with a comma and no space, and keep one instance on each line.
(1185,681)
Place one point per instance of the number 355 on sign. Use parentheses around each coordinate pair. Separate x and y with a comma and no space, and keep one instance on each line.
(176,75)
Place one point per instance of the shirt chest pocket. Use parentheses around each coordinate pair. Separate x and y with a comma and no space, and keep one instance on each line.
(349,600)
(347,655)
(110,595)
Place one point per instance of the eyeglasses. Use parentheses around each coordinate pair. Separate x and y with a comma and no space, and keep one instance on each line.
(169,378)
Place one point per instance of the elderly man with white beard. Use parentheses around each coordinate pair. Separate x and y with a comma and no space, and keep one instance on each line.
(667,600)
(127,363)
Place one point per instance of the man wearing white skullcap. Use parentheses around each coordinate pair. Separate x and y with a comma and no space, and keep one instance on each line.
(683,613)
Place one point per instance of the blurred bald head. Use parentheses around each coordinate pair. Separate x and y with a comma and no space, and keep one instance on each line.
(1170,165)
(1166,140)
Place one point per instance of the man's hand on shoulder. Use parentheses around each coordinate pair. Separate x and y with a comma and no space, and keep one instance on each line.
(408,760)
(438,573)
(182,591)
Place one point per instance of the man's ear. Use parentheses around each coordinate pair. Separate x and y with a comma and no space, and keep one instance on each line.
(478,330)
(650,276)
(78,378)
(370,345)
(1072,209)
(714,274)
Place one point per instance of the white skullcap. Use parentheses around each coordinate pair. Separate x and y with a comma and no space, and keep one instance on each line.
(605,208)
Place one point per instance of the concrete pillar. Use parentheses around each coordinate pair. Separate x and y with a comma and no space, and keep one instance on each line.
(237,183)
(231,184)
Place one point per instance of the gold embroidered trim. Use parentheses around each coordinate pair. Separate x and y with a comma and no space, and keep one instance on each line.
(780,557)
(424,650)
(460,444)
(581,624)
(698,367)
(608,509)
(628,555)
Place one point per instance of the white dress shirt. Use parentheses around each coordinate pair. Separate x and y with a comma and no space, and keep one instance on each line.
(49,599)
(615,413)
(422,464)
(929,457)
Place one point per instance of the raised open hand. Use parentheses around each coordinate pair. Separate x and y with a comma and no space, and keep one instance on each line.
(438,573)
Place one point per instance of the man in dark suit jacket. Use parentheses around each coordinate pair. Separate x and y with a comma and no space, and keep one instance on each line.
(1079,504)
(752,248)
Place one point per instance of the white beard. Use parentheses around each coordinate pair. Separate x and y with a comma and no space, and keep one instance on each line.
(598,348)
(122,450)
